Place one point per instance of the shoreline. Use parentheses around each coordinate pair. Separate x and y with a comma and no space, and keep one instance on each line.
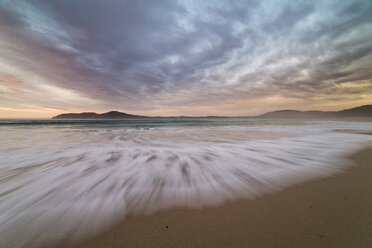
(331,212)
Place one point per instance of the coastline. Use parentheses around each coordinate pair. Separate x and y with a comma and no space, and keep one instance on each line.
(331,212)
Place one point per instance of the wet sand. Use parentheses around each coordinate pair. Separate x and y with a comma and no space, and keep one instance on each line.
(332,212)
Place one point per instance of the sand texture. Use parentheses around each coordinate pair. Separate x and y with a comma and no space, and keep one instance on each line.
(332,212)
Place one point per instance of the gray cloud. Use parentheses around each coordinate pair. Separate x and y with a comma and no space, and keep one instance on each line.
(140,55)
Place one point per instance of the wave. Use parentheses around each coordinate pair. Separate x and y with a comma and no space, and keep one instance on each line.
(73,183)
(152,122)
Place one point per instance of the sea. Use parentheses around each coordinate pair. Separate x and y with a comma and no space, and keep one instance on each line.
(68,179)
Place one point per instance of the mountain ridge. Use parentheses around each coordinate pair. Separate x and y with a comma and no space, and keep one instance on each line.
(360,111)
(93,115)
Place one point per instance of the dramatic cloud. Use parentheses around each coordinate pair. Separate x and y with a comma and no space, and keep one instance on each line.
(183,57)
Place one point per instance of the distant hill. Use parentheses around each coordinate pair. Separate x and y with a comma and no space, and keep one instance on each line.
(295,114)
(92,115)
(362,111)
(365,110)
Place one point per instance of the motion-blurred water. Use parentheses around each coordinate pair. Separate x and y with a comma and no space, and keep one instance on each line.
(68,179)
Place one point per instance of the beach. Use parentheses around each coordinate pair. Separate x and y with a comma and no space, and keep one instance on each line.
(183,183)
(330,212)
(195,124)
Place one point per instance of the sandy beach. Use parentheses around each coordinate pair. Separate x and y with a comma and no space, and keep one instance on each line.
(185,124)
(331,212)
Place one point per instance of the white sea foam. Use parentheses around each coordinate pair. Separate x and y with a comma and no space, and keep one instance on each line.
(72,182)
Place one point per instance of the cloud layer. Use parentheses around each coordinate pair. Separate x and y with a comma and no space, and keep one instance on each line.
(193,57)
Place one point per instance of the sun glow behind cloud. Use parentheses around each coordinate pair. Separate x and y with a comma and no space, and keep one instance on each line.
(183,58)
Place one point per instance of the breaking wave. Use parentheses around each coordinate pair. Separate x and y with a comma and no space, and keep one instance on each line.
(72,182)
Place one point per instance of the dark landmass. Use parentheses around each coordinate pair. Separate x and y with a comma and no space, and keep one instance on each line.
(120,115)
(362,111)
(92,115)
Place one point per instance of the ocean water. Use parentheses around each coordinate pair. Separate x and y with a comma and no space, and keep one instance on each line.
(69,179)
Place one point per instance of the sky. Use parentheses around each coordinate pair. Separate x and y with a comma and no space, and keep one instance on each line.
(189,57)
